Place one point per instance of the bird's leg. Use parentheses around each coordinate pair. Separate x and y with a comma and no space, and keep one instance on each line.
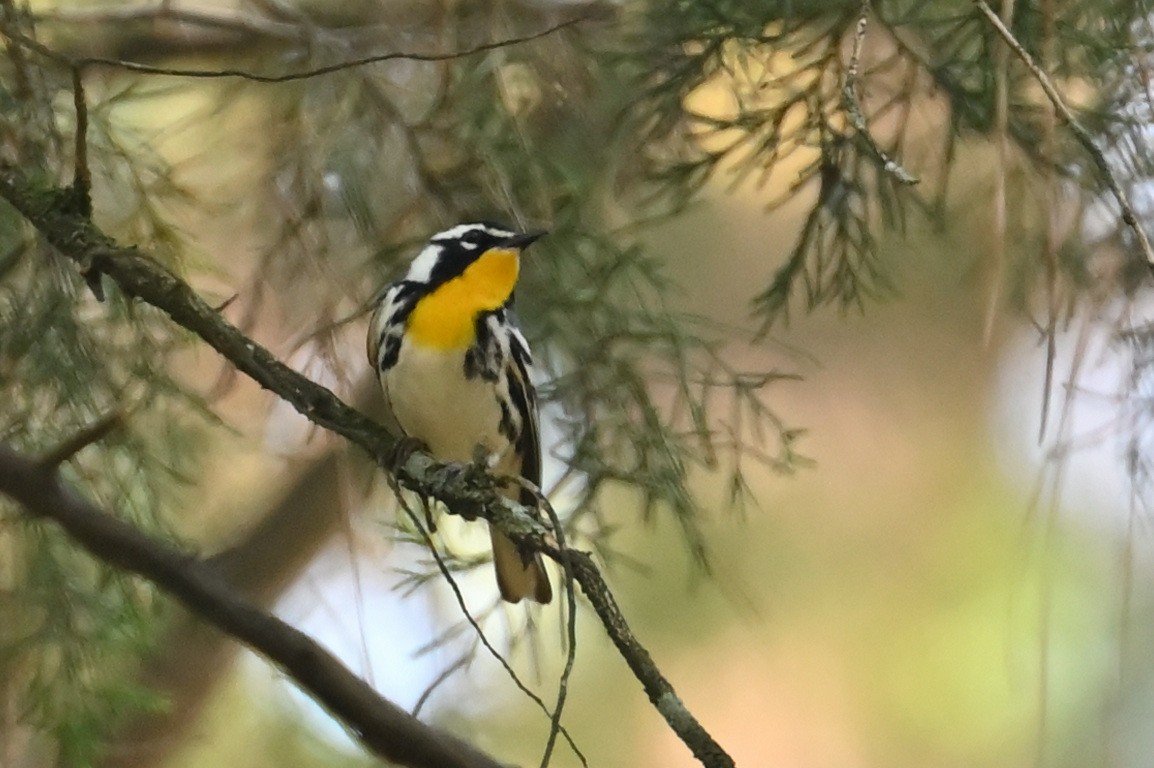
(402,450)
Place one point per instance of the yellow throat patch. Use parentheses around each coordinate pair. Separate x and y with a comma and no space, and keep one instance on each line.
(446,318)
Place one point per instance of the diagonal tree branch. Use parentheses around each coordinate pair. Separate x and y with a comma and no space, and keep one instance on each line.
(1129,216)
(383,727)
(465,491)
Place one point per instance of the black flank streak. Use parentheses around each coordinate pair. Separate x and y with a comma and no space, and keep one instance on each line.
(472,362)
(520,354)
(484,358)
(509,428)
(498,357)
(390,351)
(521,404)
(405,295)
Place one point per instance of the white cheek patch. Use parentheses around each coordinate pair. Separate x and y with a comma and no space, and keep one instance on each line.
(422,267)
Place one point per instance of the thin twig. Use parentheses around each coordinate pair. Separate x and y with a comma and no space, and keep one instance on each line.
(571,621)
(1129,217)
(82,176)
(93,433)
(415,519)
(444,675)
(997,250)
(212,74)
(852,101)
(1050,242)
(658,689)
(570,631)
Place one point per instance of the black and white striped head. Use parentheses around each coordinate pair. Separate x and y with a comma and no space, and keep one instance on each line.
(450,252)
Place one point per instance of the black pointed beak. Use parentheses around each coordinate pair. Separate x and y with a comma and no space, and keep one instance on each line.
(523,240)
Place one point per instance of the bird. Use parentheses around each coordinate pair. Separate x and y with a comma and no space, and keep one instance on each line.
(454,368)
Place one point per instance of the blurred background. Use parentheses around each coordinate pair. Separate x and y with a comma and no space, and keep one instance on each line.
(864,462)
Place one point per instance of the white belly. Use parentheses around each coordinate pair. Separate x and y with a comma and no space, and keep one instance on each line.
(434,402)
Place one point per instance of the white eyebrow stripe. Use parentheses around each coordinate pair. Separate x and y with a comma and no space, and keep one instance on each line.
(461,229)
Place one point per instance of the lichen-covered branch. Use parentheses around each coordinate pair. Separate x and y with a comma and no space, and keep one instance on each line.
(467,493)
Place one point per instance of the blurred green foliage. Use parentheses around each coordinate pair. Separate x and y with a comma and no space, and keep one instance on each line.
(601,131)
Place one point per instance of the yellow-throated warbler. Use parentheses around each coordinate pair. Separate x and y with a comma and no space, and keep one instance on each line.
(455,370)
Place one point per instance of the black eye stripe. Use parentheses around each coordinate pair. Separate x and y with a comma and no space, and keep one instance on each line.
(460,250)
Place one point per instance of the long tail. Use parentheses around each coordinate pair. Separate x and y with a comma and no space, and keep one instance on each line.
(516,578)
